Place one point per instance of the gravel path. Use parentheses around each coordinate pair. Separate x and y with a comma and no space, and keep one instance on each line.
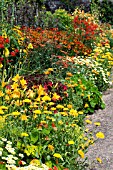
(103,148)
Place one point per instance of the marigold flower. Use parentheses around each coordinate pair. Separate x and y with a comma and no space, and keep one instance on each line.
(1,112)
(6,52)
(24,134)
(71,142)
(51,147)
(37,111)
(30,46)
(1,94)
(97,123)
(23,117)
(86,105)
(81,153)
(59,106)
(50,69)
(69,106)
(73,112)
(46,98)
(88,121)
(15,113)
(27,101)
(99,160)
(100,135)
(57,155)
(69,74)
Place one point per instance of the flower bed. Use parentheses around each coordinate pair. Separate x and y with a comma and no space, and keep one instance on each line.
(50,80)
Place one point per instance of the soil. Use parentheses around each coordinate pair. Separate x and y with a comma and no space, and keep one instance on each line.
(102,148)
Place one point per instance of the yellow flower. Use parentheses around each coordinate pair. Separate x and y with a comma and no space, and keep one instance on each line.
(1,94)
(14,86)
(82,87)
(100,135)
(30,46)
(46,72)
(23,83)
(16,94)
(69,106)
(71,142)
(23,117)
(73,112)
(80,112)
(86,105)
(55,96)
(59,106)
(60,122)
(69,74)
(108,73)
(16,78)
(4,107)
(65,109)
(81,153)
(50,69)
(86,130)
(99,160)
(1,65)
(1,112)
(15,113)
(41,91)
(3,84)
(4,34)
(57,155)
(30,93)
(97,123)
(35,162)
(18,103)
(51,147)
(37,111)
(24,134)
(6,52)
(53,108)
(47,112)
(27,101)
(46,98)
(88,121)
(43,122)
(51,103)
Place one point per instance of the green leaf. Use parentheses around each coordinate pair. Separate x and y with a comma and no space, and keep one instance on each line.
(103,105)
(45,131)
(34,136)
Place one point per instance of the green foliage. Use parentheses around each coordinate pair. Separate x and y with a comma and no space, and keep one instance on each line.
(84,94)
(60,19)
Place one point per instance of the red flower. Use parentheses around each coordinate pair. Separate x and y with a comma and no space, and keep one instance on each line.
(55,111)
(50,83)
(13,54)
(55,168)
(8,86)
(16,51)
(7,40)
(1,59)
(1,46)
(64,87)
(53,125)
